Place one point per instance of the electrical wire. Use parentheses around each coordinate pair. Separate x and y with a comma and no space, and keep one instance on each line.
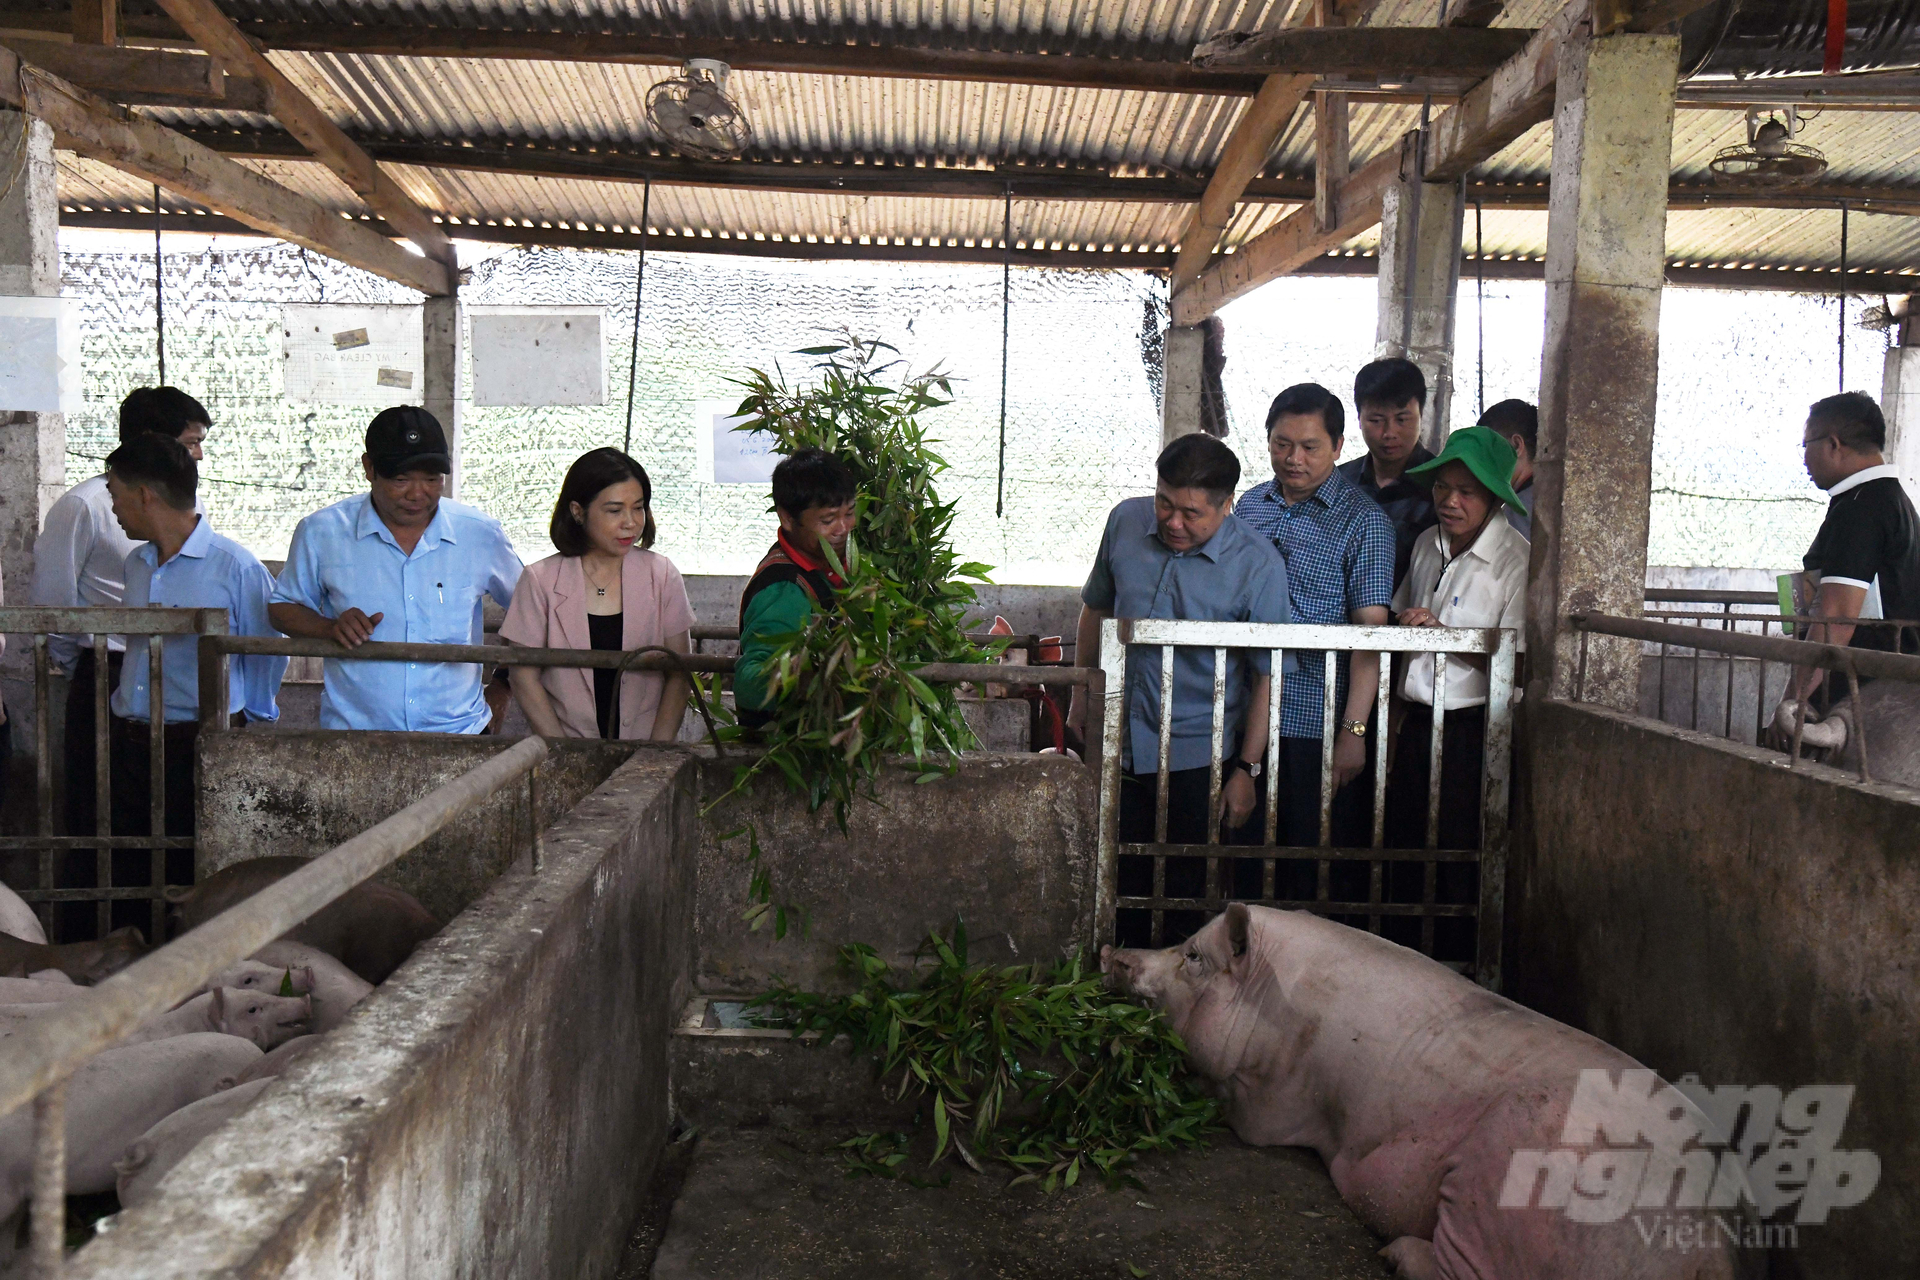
(1480,308)
(159,295)
(1006,316)
(1843,295)
(639,283)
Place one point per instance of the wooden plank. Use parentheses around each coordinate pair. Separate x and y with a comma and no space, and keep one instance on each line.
(303,118)
(96,22)
(118,72)
(1505,105)
(1387,52)
(1330,155)
(96,128)
(1288,244)
(1165,68)
(1253,138)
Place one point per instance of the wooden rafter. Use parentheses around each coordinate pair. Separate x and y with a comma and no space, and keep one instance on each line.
(96,128)
(303,118)
(159,77)
(1390,52)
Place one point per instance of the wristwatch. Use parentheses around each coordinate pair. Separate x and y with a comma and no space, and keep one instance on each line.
(1250,767)
(1358,728)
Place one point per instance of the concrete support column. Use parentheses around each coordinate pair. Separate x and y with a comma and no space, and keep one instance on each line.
(1182,381)
(1419,281)
(33,446)
(440,343)
(1900,398)
(1606,254)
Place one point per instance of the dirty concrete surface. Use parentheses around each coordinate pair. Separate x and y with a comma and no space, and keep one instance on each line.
(775,1203)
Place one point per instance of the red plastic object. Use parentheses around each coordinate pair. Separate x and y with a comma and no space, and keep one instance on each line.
(1836,36)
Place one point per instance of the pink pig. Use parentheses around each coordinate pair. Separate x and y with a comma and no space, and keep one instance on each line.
(1426,1095)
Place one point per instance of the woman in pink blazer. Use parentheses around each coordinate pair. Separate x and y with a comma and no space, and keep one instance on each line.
(605,590)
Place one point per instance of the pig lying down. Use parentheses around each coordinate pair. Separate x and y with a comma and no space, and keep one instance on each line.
(1416,1087)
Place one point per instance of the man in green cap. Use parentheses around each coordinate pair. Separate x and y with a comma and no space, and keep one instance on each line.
(1468,571)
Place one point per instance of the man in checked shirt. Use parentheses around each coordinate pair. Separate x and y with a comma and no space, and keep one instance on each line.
(1339,549)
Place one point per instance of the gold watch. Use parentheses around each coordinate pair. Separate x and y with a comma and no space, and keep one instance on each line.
(1358,728)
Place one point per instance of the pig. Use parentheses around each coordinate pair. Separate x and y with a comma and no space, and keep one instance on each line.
(113,1098)
(335,988)
(82,961)
(372,928)
(1416,1086)
(51,975)
(1889,713)
(37,991)
(257,975)
(17,918)
(153,1154)
(277,1062)
(267,1021)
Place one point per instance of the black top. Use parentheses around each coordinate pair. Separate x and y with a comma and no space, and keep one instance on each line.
(1408,504)
(1871,532)
(605,631)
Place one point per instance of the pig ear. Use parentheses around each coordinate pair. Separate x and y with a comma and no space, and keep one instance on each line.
(1239,925)
(1106,958)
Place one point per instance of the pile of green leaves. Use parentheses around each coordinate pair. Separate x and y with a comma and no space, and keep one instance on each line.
(1044,1069)
(848,703)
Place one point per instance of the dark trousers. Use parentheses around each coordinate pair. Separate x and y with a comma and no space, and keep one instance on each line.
(133,799)
(1186,808)
(1297,774)
(1462,769)
(77,750)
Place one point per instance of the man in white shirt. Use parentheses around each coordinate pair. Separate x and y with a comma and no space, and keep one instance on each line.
(1469,571)
(80,560)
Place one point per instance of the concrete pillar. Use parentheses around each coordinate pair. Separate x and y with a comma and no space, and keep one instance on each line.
(1606,256)
(1182,380)
(33,446)
(1900,398)
(440,342)
(1419,281)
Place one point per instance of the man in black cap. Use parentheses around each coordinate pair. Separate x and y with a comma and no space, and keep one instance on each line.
(398,563)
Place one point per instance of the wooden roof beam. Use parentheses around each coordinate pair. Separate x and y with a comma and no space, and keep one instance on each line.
(93,127)
(1387,52)
(303,118)
(1492,114)
(143,77)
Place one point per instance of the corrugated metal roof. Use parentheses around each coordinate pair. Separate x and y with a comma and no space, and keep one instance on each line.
(848,119)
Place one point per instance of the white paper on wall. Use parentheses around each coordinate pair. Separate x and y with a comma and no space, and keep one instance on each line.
(39,355)
(538,356)
(726,456)
(346,353)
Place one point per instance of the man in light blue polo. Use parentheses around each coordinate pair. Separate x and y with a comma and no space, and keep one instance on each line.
(179,562)
(398,563)
(1182,554)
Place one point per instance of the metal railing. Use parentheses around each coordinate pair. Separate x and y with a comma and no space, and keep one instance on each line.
(1764,651)
(1278,640)
(156,625)
(45,1051)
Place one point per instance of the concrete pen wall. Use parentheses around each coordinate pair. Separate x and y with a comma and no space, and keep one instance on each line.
(495,1109)
(1709,911)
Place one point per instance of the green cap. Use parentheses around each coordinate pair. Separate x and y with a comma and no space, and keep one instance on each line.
(1486,453)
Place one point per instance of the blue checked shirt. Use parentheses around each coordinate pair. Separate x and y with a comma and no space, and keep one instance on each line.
(1234,577)
(344,557)
(1339,549)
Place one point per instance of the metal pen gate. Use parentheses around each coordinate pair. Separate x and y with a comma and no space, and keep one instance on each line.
(155,625)
(1497,646)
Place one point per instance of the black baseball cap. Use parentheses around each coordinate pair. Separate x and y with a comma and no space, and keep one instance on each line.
(407,438)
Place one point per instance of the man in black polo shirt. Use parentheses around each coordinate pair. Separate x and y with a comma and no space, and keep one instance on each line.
(1866,557)
(1391,396)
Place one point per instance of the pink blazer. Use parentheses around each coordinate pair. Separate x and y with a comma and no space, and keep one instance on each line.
(549,611)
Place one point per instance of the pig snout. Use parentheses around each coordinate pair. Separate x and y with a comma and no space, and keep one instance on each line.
(1130,972)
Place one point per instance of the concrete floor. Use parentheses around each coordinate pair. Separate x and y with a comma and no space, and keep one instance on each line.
(776,1203)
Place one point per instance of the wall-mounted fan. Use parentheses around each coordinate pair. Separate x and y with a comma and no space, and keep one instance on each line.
(1770,158)
(694,115)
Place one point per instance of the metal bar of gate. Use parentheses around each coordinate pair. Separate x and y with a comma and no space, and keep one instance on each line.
(1494,836)
(1113,663)
(1164,779)
(156,777)
(1329,681)
(102,782)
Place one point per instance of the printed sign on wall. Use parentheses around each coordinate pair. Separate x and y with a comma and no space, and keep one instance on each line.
(352,354)
(39,356)
(726,456)
(537,356)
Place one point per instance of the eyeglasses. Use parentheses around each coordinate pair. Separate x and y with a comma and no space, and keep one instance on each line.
(1808,444)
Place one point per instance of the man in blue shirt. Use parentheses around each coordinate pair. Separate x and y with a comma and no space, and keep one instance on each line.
(398,563)
(1181,554)
(1391,398)
(182,563)
(1339,551)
